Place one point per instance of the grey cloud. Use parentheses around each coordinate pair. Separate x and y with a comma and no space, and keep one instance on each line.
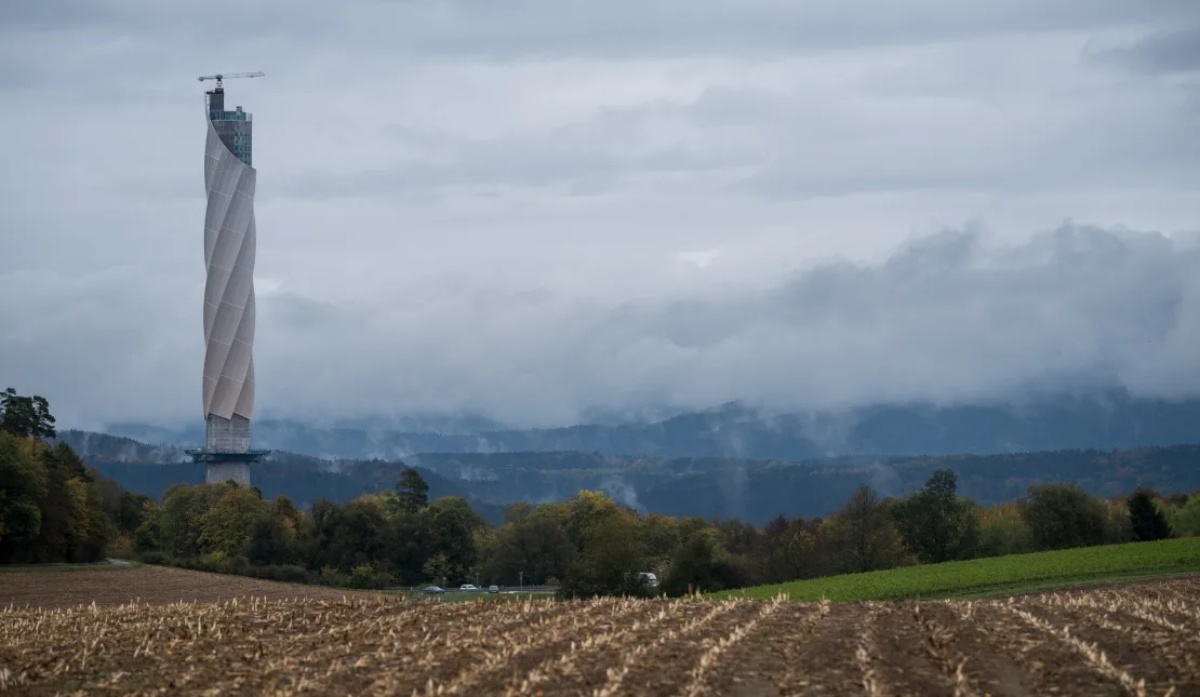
(493,206)
(543,29)
(215,22)
(1173,51)
(554,29)
(790,145)
(63,14)
(589,157)
(943,319)
(950,317)
(586,173)
(792,178)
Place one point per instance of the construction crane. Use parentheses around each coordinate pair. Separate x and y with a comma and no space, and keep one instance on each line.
(225,76)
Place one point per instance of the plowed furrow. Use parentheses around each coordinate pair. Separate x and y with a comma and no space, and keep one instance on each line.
(808,649)
(311,649)
(966,650)
(664,667)
(1153,609)
(178,643)
(749,666)
(866,655)
(1129,609)
(510,664)
(1145,651)
(703,678)
(1051,660)
(1189,585)
(1140,639)
(457,669)
(1174,604)
(585,666)
(642,652)
(332,661)
(272,624)
(914,658)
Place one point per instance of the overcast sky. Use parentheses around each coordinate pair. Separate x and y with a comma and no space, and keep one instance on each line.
(528,209)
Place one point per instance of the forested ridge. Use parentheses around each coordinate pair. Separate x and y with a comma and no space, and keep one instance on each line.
(751,490)
(1105,419)
(55,508)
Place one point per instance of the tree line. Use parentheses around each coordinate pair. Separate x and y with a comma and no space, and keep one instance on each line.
(591,545)
(53,508)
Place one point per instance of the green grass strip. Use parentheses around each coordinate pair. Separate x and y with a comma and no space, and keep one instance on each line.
(1013,573)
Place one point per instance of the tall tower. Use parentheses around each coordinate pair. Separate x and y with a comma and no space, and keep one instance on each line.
(229,244)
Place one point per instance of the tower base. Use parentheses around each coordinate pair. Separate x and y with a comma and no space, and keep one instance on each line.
(223,466)
(221,472)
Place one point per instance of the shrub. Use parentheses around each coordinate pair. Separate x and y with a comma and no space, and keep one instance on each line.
(122,548)
(366,576)
(154,556)
(286,573)
(1061,516)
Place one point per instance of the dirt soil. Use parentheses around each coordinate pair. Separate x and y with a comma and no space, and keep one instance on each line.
(1135,639)
(146,584)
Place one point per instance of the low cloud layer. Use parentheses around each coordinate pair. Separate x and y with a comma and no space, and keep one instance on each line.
(951,317)
(945,318)
(539,208)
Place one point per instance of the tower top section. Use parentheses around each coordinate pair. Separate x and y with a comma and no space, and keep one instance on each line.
(216,97)
(233,127)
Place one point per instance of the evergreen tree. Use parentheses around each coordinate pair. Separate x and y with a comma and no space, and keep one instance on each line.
(412,490)
(1147,520)
(26,416)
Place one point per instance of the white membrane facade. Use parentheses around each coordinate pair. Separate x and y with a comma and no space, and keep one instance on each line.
(229,246)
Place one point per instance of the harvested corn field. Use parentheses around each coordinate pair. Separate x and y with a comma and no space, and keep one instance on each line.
(1130,640)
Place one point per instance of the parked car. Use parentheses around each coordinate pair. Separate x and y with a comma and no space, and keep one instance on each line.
(493,589)
(433,589)
(466,587)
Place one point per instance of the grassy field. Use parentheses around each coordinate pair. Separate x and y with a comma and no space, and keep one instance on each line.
(1011,574)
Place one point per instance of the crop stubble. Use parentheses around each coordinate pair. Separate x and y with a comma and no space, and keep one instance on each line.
(1130,640)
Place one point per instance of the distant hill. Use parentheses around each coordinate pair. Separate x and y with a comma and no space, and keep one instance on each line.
(151,470)
(1102,421)
(753,490)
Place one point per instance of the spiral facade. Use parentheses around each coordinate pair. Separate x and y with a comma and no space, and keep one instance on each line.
(229,246)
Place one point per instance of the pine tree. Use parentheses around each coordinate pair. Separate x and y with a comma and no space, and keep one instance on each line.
(26,416)
(1147,520)
(412,491)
